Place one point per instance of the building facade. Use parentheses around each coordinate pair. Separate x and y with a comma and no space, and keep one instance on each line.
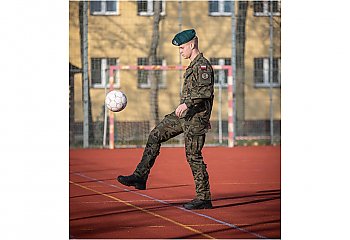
(119,33)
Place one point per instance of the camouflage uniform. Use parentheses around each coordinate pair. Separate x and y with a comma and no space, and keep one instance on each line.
(198,94)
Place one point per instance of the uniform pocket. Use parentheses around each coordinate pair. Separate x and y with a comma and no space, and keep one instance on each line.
(196,126)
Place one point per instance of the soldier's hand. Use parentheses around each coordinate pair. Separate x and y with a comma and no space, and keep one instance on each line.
(180,109)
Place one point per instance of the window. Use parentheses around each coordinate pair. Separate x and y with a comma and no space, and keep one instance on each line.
(220,76)
(104,7)
(220,8)
(100,73)
(143,80)
(262,8)
(145,8)
(262,72)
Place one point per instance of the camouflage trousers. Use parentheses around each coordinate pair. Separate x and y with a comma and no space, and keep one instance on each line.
(168,128)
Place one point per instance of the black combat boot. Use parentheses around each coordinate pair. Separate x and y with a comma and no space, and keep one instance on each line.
(198,204)
(132,180)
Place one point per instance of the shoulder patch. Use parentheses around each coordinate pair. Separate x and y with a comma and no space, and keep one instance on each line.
(205,75)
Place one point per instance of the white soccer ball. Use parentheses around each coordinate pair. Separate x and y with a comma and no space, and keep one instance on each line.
(116,100)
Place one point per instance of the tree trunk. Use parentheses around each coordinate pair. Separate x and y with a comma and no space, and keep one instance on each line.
(81,26)
(240,65)
(152,61)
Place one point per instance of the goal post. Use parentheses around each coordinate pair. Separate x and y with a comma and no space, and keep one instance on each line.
(230,97)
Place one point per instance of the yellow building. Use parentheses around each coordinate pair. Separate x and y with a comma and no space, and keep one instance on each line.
(119,32)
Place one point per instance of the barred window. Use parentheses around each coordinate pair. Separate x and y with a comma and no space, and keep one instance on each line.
(95,6)
(220,76)
(146,7)
(100,74)
(262,72)
(220,8)
(262,8)
(143,80)
(104,7)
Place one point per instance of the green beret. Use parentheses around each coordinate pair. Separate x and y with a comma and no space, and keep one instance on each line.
(184,37)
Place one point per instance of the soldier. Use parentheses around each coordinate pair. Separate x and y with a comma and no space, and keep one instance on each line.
(191,117)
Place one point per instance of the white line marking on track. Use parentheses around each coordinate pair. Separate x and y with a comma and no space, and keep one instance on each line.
(169,204)
(189,225)
(145,200)
(253,183)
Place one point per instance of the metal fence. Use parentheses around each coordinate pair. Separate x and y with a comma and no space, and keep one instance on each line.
(246,36)
(135,134)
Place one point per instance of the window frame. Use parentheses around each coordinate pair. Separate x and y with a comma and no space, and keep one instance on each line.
(150,11)
(104,11)
(104,74)
(161,84)
(221,72)
(221,9)
(266,73)
(266,9)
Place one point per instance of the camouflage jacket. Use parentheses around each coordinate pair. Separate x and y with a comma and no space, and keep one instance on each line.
(198,90)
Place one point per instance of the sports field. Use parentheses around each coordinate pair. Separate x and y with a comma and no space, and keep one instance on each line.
(245,186)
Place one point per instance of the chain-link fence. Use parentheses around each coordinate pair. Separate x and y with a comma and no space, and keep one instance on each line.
(119,33)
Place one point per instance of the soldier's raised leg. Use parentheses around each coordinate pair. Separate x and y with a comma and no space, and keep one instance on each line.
(168,128)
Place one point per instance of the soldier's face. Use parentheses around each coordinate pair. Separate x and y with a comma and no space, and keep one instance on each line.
(185,50)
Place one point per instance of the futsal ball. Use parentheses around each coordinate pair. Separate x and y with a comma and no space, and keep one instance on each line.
(116,100)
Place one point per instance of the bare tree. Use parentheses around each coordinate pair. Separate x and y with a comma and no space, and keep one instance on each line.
(153,77)
(81,27)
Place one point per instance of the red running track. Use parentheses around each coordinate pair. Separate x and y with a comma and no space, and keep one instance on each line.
(245,186)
